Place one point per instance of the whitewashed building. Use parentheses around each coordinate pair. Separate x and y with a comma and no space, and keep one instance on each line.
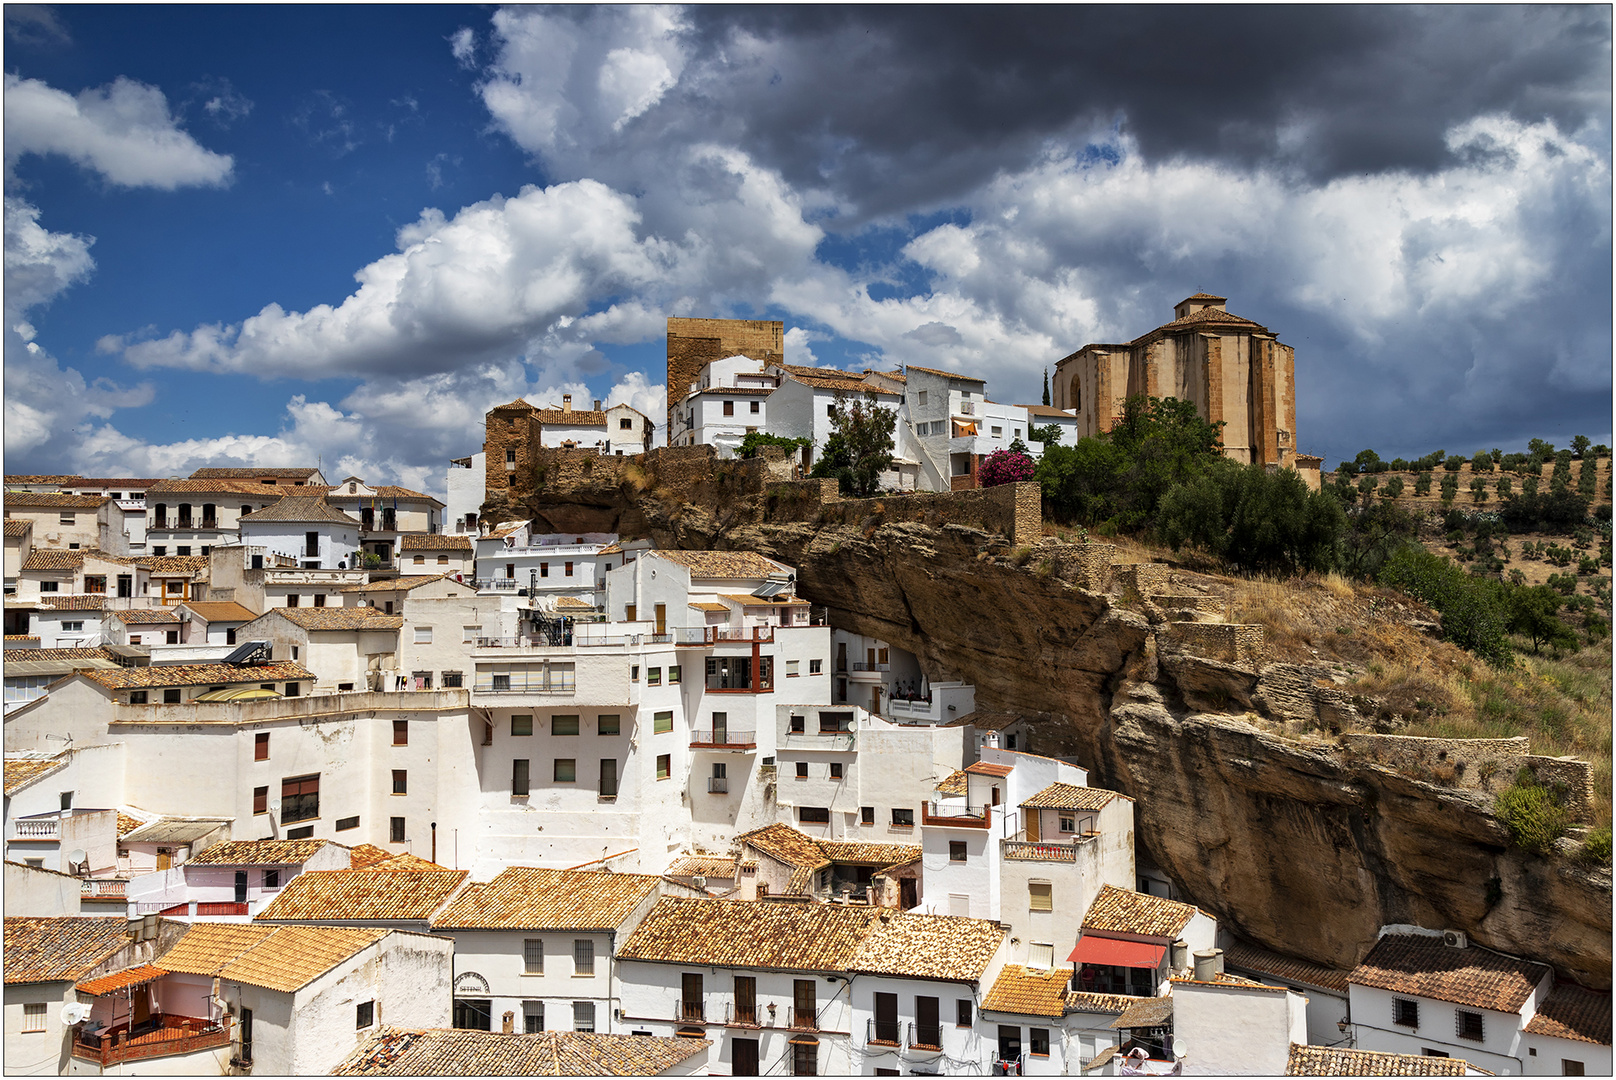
(306,528)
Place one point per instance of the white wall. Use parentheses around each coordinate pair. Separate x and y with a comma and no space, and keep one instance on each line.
(1499,1052)
(337,543)
(1237,1031)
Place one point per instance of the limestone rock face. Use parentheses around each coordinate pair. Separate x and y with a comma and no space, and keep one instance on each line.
(1292,844)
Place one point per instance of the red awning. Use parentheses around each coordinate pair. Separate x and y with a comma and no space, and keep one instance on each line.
(1099,950)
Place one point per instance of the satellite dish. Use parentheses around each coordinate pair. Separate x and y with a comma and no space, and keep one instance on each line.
(1181,1049)
(74,1012)
(76,857)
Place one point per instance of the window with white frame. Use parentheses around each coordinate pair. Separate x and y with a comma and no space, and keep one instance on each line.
(33,1016)
(423,635)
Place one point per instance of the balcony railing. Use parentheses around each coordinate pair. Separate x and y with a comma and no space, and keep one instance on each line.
(1035,851)
(225,907)
(925,1036)
(692,1012)
(957,815)
(882,1032)
(173,1035)
(864,665)
(740,1015)
(1006,1066)
(804,1019)
(714,635)
(109,888)
(732,740)
(718,785)
(47,829)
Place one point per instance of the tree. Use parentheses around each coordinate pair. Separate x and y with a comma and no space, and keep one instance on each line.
(757,440)
(1253,519)
(1450,489)
(1534,613)
(1373,533)
(1482,462)
(1005,467)
(1478,489)
(1580,445)
(1394,487)
(1046,387)
(860,446)
(1505,487)
(1366,461)
(1473,616)
(1018,447)
(1422,483)
(1048,433)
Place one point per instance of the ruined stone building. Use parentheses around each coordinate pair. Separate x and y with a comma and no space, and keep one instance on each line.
(694,343)
(1233,369)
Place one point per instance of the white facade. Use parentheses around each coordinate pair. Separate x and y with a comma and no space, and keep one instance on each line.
(467,488)
(1501,1049)
(316,545)
(1237,1029)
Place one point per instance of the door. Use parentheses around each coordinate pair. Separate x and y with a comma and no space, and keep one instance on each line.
(869,659)
(886,1018)
(875,701)
(241,886)
(246,1034)
(841,656)
(746,1004)
(690,997)
(720,727)
(140,1009)
(908,894)
(126,585)
(804,1011)
(928,1024)
(662,618)
(745,1061)
(1009,1043)
(1034,825)
(165,858)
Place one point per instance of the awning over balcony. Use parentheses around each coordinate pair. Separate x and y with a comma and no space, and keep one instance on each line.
(1133,954)
(118,980)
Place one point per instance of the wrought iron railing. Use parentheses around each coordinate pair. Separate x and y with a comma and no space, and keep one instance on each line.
(882,1032)
(926,1036)
(728,738)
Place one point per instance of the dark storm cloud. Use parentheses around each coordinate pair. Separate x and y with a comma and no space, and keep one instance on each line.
(895,108)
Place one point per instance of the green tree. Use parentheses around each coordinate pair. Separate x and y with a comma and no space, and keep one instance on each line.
(860,446)
(1422,483)
(1505,487)
(1473,617)
(1046,386)
(1580,445)
(1366,485)
(1450,489)
(1588,477)
(1478,489)
(1534,613)
(757,440)
(1367,460)
(1253,519)
(1394,487)
(1373,533)
(1048,433)
(1482,462)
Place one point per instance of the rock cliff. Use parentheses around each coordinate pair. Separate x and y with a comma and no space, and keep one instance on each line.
(1290,843)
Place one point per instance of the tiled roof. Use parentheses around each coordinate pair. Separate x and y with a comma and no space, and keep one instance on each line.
(93,602)
(1249,957)
(53,559)
(983,720)
(1422,966)
(528,898)
(450,1052)
(300,508)
(44,499)
(703,606)
(831,379)
(721,564)
(112,481)
(18,527)
(719,866)
(849,851)
(131,976)
(1127,912)
(503,529)
(362,895)
(1029,991)
(734,933)
(989,768)
(97,653)
(206,947)
(14,479)
(339,618)
(574,418)
(1204,317)
(953,783)
(20,641)
(61,948)
(1082,1001)
(20,772)
(219,486)
(1571,1012)
(259,852)
(378,491)
(198,675)
(401,584)
(127,824)
(433,542)
(745,600)
(1146,1012)
(221,610)
(294,956)
(572,602)
(140,616)
(945,374)
(1339,1061)
(1070,797)
(277,472)
(1045,410)
(173,565)
(371,857)
(791,846)
(928,947)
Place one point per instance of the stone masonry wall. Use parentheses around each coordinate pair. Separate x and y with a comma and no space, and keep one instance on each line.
(1577,777)
(1014,511)
(1232,643)
(1146,579)
(1485,765)
(695,343)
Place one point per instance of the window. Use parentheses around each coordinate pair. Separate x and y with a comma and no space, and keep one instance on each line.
(319,599)
(799,725)
(729,410)
(791,669)
(291,601)
(653,676)
(401,782)
(70,626)
(544,569)
(583,957)
(813,667)
(664,766)
(49,586)
(171,697)
(903,816)
(66,517)
(1571,1068)
(365,1014)
(138,697)
(609,725)
(533,956)
(625,424)
(634,669)
(1039,1037)
(1405,1013)
(836,770)
(1068,824)
(583,1016)
(1042,955)
(272,879)
(1467,1025)
(470,634)
(423,635)
(346,823)
(532,1017)
(292,690)
(302,832)
(563,725)
(866,815)
(443,560)
(756,407)
(519,777)
(662,723)
(608,778)
(956,851)
(568,570)
(522,724)
(830,411)
(261,746)
(813,815)
(33,1016)
(673,674)
(962,1012)
(420,560)
(920,397)
(96,584)
(300,798)
(802,770)
(1040,896)
(453,679)
(401,733)
(566,770)
(510,457)
(261,799)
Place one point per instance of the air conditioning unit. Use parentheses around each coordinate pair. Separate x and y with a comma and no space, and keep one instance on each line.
(1455,939)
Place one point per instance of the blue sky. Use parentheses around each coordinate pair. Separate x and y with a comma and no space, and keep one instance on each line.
(269,235)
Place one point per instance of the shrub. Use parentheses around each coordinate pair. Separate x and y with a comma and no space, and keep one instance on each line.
(1595,849)
(1394,487)
(1580,445)
(757,440)
(1481,462)
(1478,490)
(1505,488)
(1588,478)
(1450,489)
(1534,817)
(1255,520)
(1422,484)
(1473,616)
(1005,467)
(1453,464)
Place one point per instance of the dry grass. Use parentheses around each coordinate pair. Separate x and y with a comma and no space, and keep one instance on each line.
(1338,586)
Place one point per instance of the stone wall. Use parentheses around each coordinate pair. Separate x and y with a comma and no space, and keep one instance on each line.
(1577,777)
(1232,643)
(1088,566)
(1485,765)
(1146,579)
(1214,608)
(1014,511)
(695,343)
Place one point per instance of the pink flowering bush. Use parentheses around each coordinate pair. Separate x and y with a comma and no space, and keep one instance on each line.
(1005,467)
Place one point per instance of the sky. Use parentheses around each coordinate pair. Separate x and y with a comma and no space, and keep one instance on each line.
(277,235)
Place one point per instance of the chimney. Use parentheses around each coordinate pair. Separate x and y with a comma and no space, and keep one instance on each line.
(566,402)
(597,404)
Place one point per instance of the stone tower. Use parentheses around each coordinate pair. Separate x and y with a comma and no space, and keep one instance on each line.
(695,343)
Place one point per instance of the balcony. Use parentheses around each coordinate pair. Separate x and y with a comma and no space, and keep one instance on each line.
(862,665)
(804,1019)
(959,815)
(740,1015)
(718,785)
(881,1032)
(1035,851)
(692,1012)
(173,1035)
(103,889)
(822,740)
(715,635)
(1006,1066)
(37,829)
(723,739)
(925,1036)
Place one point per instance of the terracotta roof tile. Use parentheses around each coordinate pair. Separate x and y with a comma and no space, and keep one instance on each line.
(790,846)
(928,947)
(294,956)
(1146,1012)
(131,976)
(953,783)
(1572,1012)
(22,771)
(1029,991)
(529,898)
(207,947)
(17,479)
(141,616)
(447,1052)
(733,933)
(88,602)
(371,857)
(945,374)
(97,653)
(722,564)
(1254,958)
(1127,912)
(1339,1061)
(259,853)
(221,610)
(278,472)
(39,500)
(746,600)
(989,768)
(134,482)
(1423,966)
(127,824)
(1083,1001)
(339,618)
(719,866)
(400,584)
(362,856)
(362,895)
(575,418)
(433,542)
(173,565)
(1045,410)
(572,602)
(1071,797)
(61,948)
(219,486)
(1204,317)
(20,641)
(850,851)
(16,527)
(301,508)
(53,559)
(198,675)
